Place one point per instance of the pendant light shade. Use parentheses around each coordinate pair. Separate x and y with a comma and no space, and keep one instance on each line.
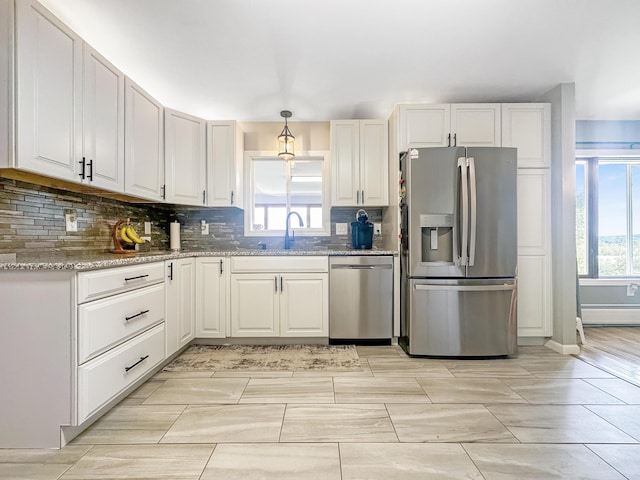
(286,139)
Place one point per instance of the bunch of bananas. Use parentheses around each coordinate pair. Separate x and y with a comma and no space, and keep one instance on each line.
(128,235)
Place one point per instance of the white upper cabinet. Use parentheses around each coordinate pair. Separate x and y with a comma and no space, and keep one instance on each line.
(526,126)
(144,144)
(359,163)
(225,146)
(7,80)
(444,125)
(102,162)
(424,125)
(48,93)
(475,125)
(185,158)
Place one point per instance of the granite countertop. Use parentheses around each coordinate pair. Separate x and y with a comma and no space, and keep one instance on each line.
(92,261)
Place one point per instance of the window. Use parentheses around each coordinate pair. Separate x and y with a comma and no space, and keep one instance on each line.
(608,216)
(277,187)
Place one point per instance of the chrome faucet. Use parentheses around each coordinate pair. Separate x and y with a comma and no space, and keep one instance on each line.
(287,240)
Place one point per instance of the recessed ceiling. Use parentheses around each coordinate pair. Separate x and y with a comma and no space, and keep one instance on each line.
(334,59)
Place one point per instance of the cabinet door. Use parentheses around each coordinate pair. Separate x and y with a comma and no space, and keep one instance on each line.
(185,158)
(534,211)
(144,144)
(534,253)
(475,125)
(527,126)
(48,93)
(254,305)
(374,162)
(211,299)
(534,296)
(102,122)
(224,164)
(304,305)
(424,126)
(345,167)
(180,303)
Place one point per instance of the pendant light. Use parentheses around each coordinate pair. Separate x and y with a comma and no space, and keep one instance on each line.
(285,139)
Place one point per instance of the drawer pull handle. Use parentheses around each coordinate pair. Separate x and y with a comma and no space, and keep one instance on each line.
(136,315)
(139,277)
(142,359)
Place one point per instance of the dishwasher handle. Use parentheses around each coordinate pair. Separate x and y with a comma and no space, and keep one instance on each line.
(361,267)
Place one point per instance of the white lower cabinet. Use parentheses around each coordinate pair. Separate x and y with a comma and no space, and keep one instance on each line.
(290,302)
(106,376)
(180,303)
(105,323)
(211,297)
(121,332)
(534,296)
(304,301)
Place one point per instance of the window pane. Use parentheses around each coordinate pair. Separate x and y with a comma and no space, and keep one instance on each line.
(581,219)
(635,205)
(302,211)
(258,218)
(276,217)
(269,190)
(306,182)
(612,220)
(316,217)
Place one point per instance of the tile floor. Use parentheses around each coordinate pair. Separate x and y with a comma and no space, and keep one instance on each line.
(538,416)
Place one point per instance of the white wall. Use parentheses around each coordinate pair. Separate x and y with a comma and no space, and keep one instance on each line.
(263,136)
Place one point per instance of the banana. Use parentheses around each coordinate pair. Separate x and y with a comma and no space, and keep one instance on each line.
(123,235)
(132,235)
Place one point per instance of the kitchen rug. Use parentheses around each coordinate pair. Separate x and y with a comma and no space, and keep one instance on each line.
(339,358)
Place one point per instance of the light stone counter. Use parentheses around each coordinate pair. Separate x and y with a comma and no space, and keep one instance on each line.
(79,261)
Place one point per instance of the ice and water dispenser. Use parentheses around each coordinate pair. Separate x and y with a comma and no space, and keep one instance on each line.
(437,238)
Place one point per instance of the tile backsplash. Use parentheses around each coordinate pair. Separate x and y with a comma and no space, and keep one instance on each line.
(32,221)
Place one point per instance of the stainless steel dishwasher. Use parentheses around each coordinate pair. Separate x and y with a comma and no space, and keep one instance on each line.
(360,298)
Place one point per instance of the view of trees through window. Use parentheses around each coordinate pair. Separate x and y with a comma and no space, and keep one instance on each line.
(607,224)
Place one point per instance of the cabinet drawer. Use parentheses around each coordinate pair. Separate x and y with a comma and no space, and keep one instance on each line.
(101,283)
(104,377)
(105,323)
(279,264)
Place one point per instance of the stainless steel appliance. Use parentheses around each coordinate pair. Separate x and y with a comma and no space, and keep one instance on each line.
(360,298)
(459,252)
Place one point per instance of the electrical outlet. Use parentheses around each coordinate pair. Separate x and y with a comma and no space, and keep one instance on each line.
(632,288)
(377,228)
(147,228)
(341,229)
(204,227)
(71,222)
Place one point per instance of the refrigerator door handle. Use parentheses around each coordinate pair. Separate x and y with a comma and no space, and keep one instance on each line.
(463,224)
(472,213)
(470,288)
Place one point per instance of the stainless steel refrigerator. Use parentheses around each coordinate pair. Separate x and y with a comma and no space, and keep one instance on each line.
(459,252)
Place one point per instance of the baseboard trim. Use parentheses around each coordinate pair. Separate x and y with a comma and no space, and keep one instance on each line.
(563,349)
(610,316)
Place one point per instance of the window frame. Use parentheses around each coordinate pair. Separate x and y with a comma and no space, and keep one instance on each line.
(592,159)
(318,155)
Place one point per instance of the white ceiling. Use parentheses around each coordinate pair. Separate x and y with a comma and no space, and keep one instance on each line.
(331,59)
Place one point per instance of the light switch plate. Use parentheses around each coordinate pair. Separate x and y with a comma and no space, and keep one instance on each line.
(147,228)
(341,229)
(71,221)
